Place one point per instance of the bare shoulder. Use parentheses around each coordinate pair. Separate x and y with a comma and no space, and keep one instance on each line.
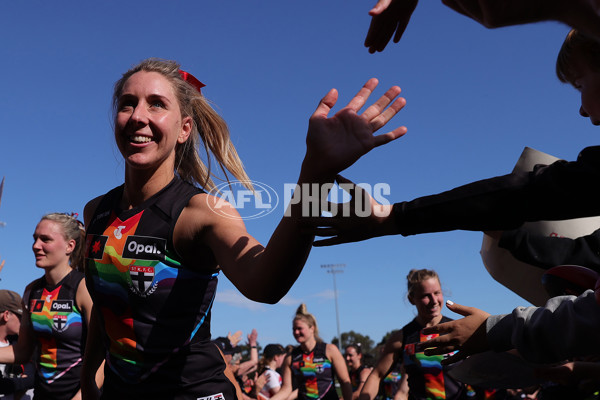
(218,206)
(331,349)
(205,211)
(208,223)
(83,296)
(365,373)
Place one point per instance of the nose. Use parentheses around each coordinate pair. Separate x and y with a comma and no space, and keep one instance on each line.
(582,112)
(36,244)
(139,114)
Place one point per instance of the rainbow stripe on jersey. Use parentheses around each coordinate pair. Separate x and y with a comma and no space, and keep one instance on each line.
(150,303)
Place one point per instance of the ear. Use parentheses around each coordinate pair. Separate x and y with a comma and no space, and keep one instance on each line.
(71,246)
(410,299)
(4,316)
(186,129)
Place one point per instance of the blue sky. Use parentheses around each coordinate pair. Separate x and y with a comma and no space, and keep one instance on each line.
(475,98)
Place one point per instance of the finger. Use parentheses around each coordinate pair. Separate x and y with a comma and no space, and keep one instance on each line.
(371,34)
(435,342)
(380,120)
(444,328)
(326,104)
(377,108)
(363,94)
(400,29)
(381,6)
(461,355)
(436,351)
(459,309)
(380,32)
(390,136)
(403,21)
(387,23)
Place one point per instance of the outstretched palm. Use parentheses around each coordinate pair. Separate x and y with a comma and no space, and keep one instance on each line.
(334,144)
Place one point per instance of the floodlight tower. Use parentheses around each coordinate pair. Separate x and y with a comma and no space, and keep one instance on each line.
(335,269)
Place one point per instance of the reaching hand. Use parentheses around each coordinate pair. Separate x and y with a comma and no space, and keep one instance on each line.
(252,336)
(2,265)
(467,335)
(335,143)
(235,338)
(359,219)
(389,16)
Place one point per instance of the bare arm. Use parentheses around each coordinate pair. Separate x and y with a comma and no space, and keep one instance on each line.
(391,353)
(391,17)
(93,359)
(22,351)
(364,374)
(247,366)
(334,143)
(341,370)
(92,374)
(402,393)
(286,387)
(580,14)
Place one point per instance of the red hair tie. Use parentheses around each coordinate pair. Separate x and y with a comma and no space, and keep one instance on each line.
(191,79)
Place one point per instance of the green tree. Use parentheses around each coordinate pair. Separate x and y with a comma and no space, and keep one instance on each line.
(366,344)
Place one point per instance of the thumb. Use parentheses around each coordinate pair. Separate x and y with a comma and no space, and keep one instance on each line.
(381,6)
(326,104)
(459,309)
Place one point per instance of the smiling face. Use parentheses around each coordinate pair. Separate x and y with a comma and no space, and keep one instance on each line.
(148,123)
(352,358)
(427,297)
(50,247)
(302,331)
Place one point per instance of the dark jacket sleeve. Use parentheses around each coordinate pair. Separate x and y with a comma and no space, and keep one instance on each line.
(23,382)
(547,252)
(566,327)
(562,190)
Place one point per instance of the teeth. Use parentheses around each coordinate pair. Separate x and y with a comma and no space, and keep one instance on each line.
(140,139)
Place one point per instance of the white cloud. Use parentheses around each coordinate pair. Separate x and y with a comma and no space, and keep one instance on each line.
(236,299)
(325,295)
(289,301)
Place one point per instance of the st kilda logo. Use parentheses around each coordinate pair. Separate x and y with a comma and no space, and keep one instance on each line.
(143,248)
(62,308)
(59,323)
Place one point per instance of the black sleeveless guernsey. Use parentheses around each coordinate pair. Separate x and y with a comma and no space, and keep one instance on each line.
(154,310)
(314,374)
(428,379)
(355,377)
(60,332)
